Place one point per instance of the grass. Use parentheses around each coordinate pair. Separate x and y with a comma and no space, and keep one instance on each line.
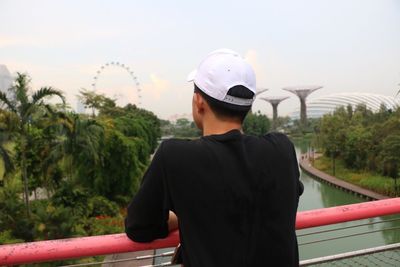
(369,180)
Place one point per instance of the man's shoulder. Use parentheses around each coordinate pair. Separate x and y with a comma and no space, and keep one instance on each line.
(174,144)
(271,138)
(273,142)
(276,137)
(280,146)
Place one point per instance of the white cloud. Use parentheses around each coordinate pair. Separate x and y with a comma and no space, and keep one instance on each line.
(9,41)
(252,58)
(156,87)
(54,37)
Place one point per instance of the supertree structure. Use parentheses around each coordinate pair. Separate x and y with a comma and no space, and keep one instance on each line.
(302,92)
(261,90)
(274,101)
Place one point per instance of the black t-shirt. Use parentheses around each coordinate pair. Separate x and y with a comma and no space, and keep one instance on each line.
(235,195)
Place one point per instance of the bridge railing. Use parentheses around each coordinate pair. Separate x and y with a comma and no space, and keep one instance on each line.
(52,250)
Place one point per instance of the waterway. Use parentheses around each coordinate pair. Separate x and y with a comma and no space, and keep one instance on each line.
(320,195)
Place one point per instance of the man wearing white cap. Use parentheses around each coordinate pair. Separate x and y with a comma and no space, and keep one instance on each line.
(235,196)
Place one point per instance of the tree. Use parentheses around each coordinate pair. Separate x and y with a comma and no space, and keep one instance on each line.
(95,101)
(333,134)
(23,105)
(182,123)
(81,146)
(390,157)
(134,121)
(282,122)
(362,115)
(358,144)
(119,174)
(256,124)
(12,211)
(349,109)
(5,138)
(185,128)
(166,127)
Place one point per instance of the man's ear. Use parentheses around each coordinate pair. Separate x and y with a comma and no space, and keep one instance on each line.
(199,102)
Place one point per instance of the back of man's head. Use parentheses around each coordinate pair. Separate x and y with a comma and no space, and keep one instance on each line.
(226,82)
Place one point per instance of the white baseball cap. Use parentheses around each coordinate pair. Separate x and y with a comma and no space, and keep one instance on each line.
(221,70)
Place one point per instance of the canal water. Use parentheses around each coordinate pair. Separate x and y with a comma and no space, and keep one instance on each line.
(320,195)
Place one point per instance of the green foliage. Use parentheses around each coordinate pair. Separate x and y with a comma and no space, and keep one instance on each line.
(390,156)
(24,107)
(182,128)
(356,147)
(182,122)
(12,212)
(71,212)
(256,124)
(333,132)
(136,127)
(5,138)
(282,123)
(95,101)
(87,166)
(6,237)
(33,151)
(152,124)
(366,179)
(54,222)
(78,150)
(121,168)
(365,141)
(72,196)
(146,125)
(296,128)
(104,225)
(99,205)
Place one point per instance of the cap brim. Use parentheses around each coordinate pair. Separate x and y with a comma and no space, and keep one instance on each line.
(191,76)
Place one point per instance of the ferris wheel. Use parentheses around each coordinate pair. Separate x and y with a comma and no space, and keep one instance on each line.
(123,67)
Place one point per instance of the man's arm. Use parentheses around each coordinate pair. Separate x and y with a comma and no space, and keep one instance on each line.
(172,221)
(300,186)
(148,214)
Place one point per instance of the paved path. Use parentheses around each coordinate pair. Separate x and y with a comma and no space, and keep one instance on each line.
(307,167)
(128,255)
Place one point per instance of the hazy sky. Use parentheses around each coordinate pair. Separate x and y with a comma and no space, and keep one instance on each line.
(344,45)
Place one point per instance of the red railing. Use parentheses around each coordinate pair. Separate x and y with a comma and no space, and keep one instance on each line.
(108,244)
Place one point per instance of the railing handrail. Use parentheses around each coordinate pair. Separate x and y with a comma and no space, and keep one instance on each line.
(118,243)
(345,213)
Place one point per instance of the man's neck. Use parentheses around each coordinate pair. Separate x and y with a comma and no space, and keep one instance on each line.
(220,127)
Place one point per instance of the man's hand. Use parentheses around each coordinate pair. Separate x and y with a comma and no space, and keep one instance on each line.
(172,221)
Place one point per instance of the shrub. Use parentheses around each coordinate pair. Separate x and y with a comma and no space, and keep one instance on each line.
(99,205)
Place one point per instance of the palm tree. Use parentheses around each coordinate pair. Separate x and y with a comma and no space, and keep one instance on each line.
(23,106)
(6,119)
(80,145)
(5,155)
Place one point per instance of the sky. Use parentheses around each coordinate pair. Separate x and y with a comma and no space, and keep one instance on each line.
(342,45)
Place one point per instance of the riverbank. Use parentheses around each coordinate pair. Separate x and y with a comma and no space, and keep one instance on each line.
(306,166)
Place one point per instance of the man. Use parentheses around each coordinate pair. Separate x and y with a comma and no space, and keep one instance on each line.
(235,196)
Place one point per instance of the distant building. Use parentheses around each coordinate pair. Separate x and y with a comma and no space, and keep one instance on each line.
(80,107)
(318,107)
(175,117)
(6,79)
